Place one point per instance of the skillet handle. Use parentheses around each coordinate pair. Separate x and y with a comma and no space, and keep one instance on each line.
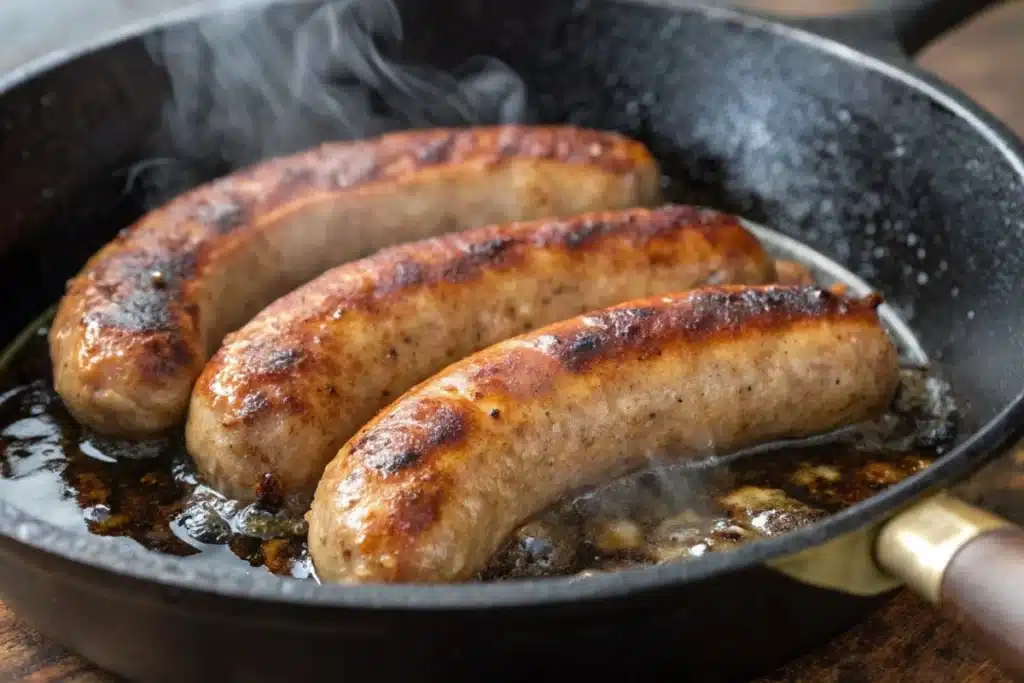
(969,563)
(915,23)
(895,28)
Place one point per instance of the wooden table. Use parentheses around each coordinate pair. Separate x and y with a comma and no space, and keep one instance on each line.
(905,642)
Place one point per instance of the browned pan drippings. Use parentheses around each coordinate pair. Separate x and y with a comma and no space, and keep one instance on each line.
(53,468)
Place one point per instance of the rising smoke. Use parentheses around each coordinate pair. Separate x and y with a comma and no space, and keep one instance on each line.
(248,83)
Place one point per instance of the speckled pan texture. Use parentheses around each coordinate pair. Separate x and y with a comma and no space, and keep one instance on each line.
(881,168)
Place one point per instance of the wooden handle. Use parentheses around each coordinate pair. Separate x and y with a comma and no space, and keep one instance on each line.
(983,588)
(969,563)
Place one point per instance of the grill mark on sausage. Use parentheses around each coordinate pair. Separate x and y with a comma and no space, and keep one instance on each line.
(488,250)
(578,237)
(267,359)
(477,255)
(642,226)
(529,366)
(431,424)
(695,317)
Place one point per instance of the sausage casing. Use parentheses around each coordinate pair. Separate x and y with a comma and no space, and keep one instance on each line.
(430,488)
(138,323)
(287,390)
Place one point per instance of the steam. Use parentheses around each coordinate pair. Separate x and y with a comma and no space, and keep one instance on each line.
(248,83)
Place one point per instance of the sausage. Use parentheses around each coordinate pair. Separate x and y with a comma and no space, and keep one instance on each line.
(287,390)
(792,273)
(429,489)
(137,324)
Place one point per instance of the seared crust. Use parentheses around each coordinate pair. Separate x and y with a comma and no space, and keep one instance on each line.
(430,487)
(137,324)
(286,391)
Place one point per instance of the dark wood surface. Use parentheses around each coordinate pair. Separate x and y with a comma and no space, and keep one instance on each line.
(906,642)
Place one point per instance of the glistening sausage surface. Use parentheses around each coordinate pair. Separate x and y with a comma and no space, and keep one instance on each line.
(138,323)
(428,490)
(286,391)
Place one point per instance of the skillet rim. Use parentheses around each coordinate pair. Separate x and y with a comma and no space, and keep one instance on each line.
(130,561)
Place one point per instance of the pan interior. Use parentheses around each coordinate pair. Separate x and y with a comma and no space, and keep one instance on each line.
(871,168)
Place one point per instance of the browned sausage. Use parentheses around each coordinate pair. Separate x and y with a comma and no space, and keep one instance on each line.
(286,391)
(793,273)
(138,323)
(430,488)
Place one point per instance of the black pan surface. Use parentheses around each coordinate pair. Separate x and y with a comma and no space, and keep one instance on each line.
(861,157)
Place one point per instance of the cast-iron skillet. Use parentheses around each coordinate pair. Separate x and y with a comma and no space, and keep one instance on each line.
(838,141)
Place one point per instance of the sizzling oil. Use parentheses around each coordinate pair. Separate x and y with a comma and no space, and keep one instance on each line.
(148,493)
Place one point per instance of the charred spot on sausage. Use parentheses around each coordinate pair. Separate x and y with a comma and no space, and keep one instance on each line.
(144,311)
(408,274)
(585,343)
(252,404)
(388,461)
(138,301)
(392,453)
(447,425)
(275,360)
(583,231)
(580,350)
(477,255)
(489,249)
